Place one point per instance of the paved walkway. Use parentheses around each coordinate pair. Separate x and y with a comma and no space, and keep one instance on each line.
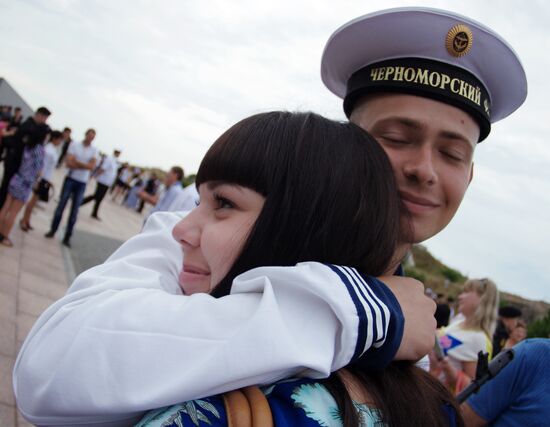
(37,271)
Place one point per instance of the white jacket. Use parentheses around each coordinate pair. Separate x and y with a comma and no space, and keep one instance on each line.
(124,339)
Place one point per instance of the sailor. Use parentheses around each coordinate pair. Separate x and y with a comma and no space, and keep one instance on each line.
(427,84)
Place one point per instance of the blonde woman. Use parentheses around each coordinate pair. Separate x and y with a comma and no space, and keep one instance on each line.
(471,333)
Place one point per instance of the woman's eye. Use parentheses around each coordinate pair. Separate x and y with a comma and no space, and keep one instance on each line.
(223,203)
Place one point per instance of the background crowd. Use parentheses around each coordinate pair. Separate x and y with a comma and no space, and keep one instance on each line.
(31,151)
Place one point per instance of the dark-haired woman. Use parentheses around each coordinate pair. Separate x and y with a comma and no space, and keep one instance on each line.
(20,185)
(279,189)
(137,343)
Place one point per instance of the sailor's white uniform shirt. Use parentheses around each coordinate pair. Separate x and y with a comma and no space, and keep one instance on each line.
(124,339)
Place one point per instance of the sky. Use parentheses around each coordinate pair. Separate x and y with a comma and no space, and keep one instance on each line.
(162,80)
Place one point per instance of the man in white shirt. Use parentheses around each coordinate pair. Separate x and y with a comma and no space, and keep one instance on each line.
(81,159)
(185,200)
(172,189)
(105,177)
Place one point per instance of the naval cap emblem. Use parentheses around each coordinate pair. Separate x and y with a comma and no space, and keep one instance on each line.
(459,40)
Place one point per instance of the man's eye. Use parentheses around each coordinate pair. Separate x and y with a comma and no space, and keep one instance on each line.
(395,140)
(452,156)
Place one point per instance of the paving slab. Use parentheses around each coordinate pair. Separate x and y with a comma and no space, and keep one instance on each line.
(37,271)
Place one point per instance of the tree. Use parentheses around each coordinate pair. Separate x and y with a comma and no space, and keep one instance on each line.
(540,328)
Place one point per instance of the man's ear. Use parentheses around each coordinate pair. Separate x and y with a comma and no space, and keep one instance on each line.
(471,174)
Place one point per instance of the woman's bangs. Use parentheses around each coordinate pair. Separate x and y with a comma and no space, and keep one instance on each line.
(239,157)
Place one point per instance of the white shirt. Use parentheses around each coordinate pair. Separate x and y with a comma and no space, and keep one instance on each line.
(109,167)
(167,198)
(50,160)
(462,344)
(126,174)
(186,200)
(124,339)
(83,154)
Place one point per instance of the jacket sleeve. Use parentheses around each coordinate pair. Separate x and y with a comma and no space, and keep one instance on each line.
(124,339)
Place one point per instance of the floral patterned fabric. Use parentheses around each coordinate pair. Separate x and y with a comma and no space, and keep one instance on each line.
(299,403)
(20,185)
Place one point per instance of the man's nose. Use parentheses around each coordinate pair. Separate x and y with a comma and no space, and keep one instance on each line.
(420,167)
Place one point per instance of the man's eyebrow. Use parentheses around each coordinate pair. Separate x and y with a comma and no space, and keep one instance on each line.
(417,125)
(405,121)
(456,136)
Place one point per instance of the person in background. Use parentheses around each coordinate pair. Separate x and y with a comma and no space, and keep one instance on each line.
(120,169)
(4,134)
(17,119)
(517,335)
(508,317)
(172,189)
(151,187)
(31,130)
(105,176)
(8,128)
(442,311)
(185,201)
(42,189)
(66,142)
(20,185)
(463,340)
(5,113)
(136,185)
(122,183)
(518,395)
(81,160)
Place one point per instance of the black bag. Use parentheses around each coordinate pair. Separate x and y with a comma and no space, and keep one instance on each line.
(42,190)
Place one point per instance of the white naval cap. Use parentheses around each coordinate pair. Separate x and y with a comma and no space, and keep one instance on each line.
(426,52)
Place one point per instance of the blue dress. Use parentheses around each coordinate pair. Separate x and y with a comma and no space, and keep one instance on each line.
(132,200)
(21,183)
(297,402)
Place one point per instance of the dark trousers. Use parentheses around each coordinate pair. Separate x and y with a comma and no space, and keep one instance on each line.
(9,171)
(63,153)
(73,190)
(100,191)
(11,166)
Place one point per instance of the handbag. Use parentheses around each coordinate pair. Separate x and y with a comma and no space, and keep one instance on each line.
(247,407)
(42,190)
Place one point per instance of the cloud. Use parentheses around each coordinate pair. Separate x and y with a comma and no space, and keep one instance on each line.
(163,80)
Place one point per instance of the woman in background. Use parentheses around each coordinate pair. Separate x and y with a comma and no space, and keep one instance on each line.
(20,185)
(42,190)
(471,333)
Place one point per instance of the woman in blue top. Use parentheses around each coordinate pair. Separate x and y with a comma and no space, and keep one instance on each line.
(278,189)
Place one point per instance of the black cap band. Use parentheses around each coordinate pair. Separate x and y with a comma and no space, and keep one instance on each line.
(423,77)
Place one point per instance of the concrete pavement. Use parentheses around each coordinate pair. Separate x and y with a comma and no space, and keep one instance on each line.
(37,271)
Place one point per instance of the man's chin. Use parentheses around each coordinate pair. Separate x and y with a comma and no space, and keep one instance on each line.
(423,235)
